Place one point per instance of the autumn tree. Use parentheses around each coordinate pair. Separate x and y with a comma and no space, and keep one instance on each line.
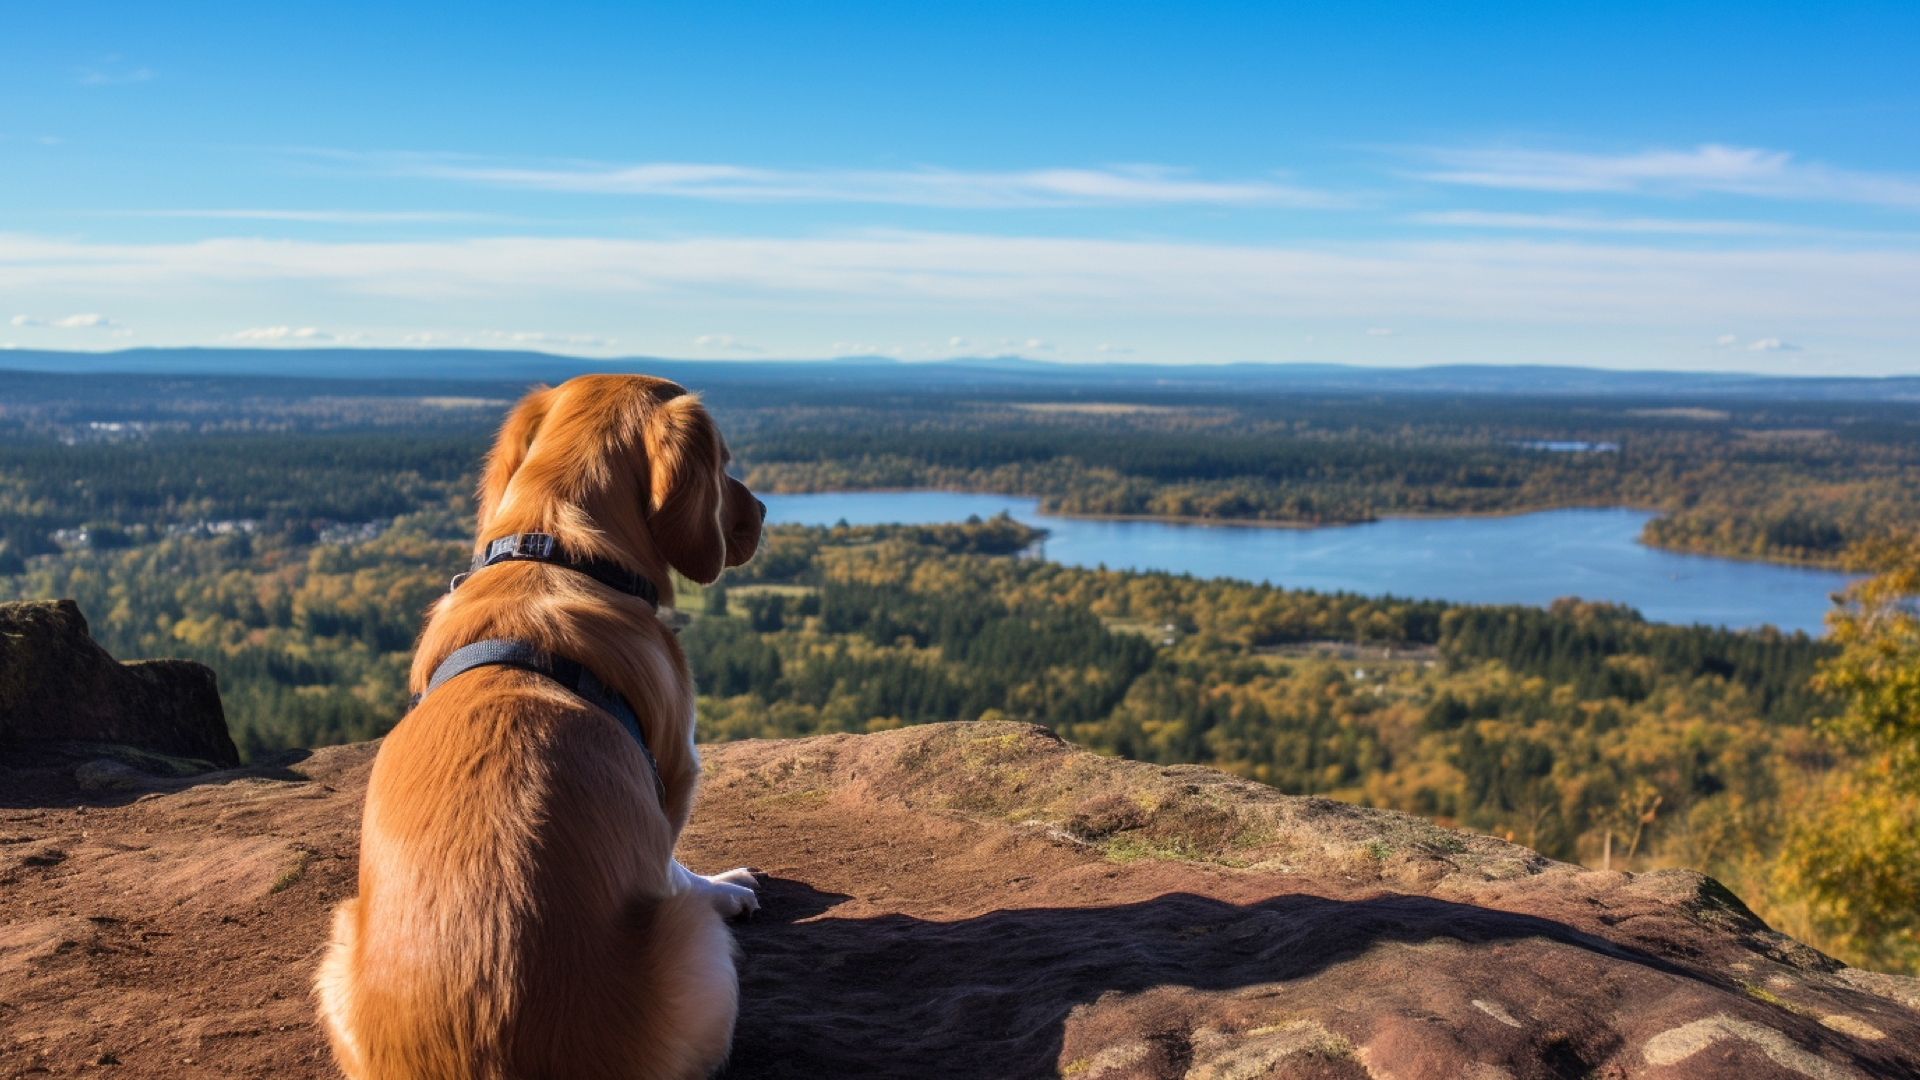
(1855,863)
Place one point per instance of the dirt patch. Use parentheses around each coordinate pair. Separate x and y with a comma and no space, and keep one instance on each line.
(157,939)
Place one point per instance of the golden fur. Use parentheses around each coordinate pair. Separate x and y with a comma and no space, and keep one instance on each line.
(520,913)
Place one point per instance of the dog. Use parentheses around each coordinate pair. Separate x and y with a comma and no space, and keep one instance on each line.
(521,913)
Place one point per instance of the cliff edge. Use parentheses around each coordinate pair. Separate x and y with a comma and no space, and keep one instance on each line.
(971,900)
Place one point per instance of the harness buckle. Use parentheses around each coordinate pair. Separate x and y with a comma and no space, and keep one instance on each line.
(521,546)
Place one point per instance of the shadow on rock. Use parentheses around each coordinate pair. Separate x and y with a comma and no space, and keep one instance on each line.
(991,996)
(64,775)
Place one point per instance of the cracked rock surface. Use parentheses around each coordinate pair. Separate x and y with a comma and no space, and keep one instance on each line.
(967,900)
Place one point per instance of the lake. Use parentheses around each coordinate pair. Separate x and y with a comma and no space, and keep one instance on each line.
(1522,559)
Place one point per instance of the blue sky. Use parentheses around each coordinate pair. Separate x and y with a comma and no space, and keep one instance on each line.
(1680,186)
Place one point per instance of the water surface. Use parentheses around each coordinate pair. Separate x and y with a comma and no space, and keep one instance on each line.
(1523,559)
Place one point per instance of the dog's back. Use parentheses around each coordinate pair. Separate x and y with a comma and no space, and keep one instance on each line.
(514,917)
(520,911)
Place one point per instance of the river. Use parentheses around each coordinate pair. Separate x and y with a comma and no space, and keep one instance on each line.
(1519,559)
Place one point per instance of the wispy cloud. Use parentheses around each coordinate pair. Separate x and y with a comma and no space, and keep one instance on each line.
(111,70)
(944,274)
(496,338)
(1707,168)
(327,217)
(1592,223)
(537,337)
(516,338)
(1135,185)
(862,348)
(70,322)
(1771,344)
(282,333)
(725,343)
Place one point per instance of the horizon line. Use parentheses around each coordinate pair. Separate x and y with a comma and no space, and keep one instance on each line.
(877,359)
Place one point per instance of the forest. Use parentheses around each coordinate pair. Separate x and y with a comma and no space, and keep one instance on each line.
(298,561)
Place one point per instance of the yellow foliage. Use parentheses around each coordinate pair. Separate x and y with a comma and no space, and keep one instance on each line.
(1852,861)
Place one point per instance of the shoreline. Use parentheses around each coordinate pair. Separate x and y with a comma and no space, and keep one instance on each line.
(1267,523)
(1264,523)
(1254,523)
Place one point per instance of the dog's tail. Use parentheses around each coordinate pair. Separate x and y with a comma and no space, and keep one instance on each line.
(683,993)
(333,987)
(654,999)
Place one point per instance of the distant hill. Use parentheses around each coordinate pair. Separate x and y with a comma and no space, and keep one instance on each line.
(479,365)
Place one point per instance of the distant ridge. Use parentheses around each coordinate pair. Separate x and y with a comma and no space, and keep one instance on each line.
(989,372)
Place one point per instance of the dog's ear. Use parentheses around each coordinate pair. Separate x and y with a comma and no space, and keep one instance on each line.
(510,450)
(687,494)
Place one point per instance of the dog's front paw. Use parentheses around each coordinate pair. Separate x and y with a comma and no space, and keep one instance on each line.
(735,893)
(739,875)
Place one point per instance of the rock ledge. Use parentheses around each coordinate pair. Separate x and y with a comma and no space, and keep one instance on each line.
(976,900)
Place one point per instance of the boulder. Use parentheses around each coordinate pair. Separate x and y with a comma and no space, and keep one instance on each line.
(58,686)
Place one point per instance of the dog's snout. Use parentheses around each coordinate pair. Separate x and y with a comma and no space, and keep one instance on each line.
(762,507)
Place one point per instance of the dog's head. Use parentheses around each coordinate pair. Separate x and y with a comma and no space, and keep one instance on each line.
(612,461)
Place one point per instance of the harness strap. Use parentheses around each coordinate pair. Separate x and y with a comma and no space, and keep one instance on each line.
(569,673)
(541,547)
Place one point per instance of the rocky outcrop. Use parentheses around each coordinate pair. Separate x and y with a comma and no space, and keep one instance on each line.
(978,900)
(58,687)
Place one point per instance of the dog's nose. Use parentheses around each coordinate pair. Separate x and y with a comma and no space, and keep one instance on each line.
(763,510)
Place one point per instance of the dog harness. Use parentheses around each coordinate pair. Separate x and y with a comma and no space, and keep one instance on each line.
(569,673)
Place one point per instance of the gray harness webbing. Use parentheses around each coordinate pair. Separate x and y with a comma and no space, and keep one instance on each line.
(569,673)
(572,674)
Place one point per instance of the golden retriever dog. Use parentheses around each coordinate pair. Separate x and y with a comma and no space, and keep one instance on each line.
(521,913)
